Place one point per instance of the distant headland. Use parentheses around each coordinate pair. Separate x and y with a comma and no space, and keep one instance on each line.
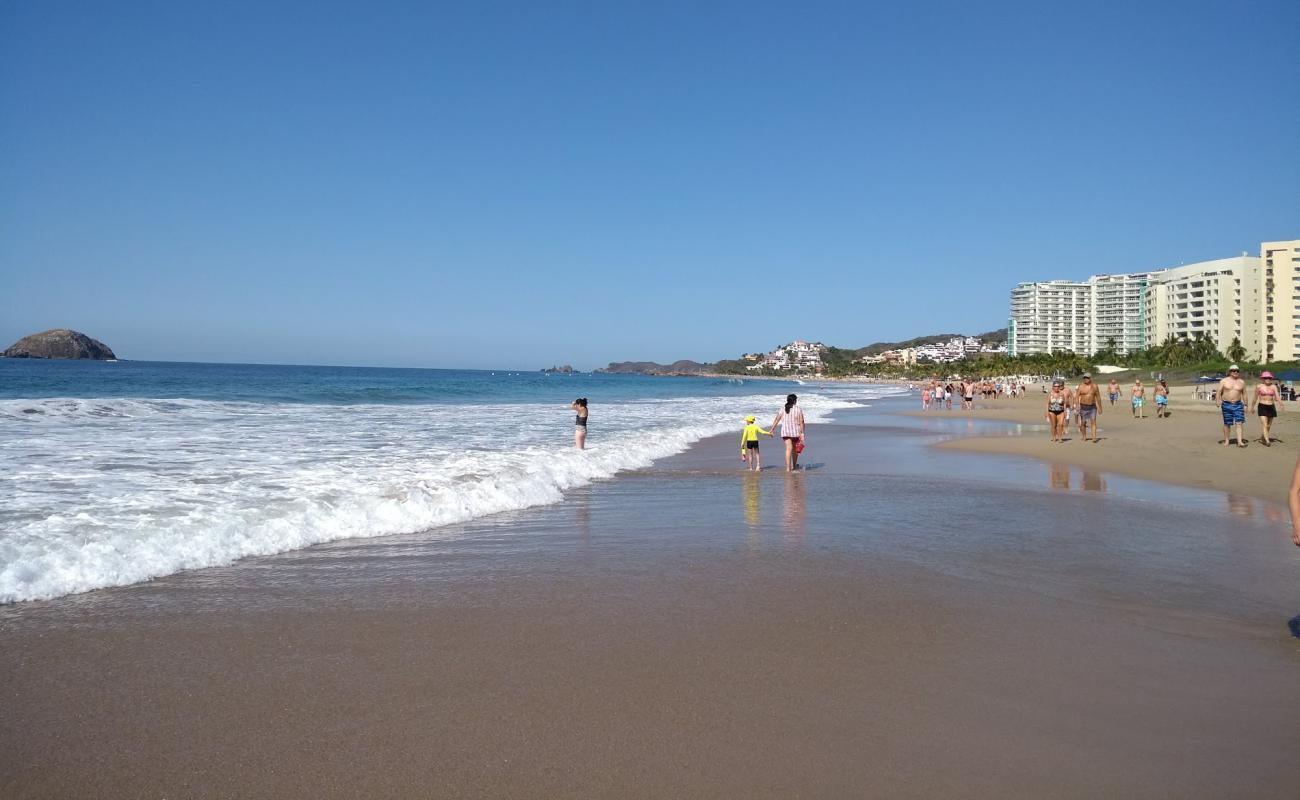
(60,343)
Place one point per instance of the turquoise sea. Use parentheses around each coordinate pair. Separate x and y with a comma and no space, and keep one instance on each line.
(125,471)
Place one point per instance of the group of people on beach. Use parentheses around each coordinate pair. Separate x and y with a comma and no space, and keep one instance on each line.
(1084,402)
(793,434)
(937,394)
(1266,401)
(789,420)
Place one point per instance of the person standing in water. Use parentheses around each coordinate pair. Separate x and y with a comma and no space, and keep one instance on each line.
(792,430)
(1268,401)
(580,423)
(749,443)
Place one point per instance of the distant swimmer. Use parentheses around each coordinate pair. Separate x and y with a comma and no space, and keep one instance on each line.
(793,431)
(1112,391)
(749,443)
(1088,398)
(1231,395)
(1139,394)
(580,423)
(1268,401)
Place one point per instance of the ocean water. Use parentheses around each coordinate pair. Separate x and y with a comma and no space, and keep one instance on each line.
(115,473)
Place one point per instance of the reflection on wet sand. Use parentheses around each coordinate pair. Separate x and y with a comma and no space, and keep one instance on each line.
(1093,481)
(751,499)
(1058,476)
(1240,506)
(793,513)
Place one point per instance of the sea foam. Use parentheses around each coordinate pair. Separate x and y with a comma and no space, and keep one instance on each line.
(107,492)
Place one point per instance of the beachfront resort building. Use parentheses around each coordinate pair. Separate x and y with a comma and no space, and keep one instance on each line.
(1119,311)
(1050,315)
(1218,299)
(1279,287)
(1224,299)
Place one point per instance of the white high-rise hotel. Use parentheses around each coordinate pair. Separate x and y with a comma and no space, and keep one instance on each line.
(1253,300)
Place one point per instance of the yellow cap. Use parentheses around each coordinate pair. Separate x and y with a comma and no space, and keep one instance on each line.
(750,418)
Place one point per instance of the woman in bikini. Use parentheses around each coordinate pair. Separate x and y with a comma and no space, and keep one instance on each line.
(1267,401)
(579,406)
(1056,400)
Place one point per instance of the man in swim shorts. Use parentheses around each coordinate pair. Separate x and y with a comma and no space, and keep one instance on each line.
(1231,395)
(1139,398)
(1113,391)
(1088,397)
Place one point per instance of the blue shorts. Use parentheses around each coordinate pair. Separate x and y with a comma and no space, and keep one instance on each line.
(1162,400)
(1234,413)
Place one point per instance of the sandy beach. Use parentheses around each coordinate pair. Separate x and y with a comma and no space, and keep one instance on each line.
(691,630)
(1185,448)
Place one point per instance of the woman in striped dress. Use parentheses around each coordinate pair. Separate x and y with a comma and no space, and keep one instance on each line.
(792,430)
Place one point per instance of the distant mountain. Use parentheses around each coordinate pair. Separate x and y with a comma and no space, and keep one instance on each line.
(877,348)
(831,356)
(991,337)
(683,367)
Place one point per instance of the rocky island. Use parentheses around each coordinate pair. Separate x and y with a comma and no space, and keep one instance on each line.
(60,343)
(564,370)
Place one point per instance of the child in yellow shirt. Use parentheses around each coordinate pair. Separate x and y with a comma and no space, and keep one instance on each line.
(749,443)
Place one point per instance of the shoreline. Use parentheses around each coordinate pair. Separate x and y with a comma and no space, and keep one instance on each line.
(1182,450)
(690,630)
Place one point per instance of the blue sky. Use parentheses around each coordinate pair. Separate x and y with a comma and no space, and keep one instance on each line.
(515,185)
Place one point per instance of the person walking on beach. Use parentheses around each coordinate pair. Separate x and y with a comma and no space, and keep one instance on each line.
(1056,402)
(967,394)
(1088,398)
(1162,399)
(1268,401)
(1231,395)
(1293,500)
(792,431)
(1113,392)
(1139,399)
(749,443)
(580,423)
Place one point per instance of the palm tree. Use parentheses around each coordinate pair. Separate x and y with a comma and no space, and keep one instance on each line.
(1235,351)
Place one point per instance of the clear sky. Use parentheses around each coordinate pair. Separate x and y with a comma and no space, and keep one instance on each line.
(513,185)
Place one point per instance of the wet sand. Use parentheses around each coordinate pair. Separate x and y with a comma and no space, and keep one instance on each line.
(691,630)
(1185,449)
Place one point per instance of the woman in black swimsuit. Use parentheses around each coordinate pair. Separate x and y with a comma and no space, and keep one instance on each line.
(580,423)
(1056,400)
